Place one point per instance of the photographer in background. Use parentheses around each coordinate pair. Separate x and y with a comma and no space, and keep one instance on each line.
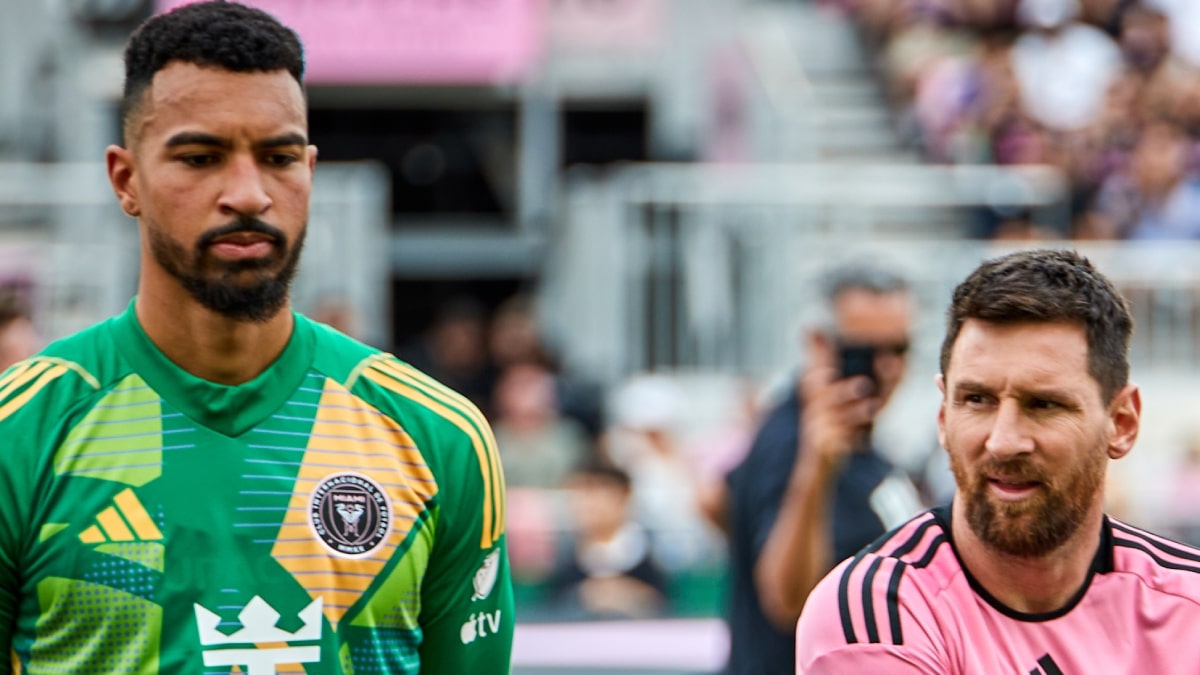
(813,490)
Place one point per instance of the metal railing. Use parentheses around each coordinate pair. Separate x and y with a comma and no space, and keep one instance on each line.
(704,267)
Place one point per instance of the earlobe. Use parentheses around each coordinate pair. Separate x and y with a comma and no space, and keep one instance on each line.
(1125,414)
(119,162)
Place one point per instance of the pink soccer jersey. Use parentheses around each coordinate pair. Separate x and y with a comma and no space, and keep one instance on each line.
(905,605)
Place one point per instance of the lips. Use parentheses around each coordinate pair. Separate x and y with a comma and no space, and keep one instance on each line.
(1009,488)
(243,245)
(242,238)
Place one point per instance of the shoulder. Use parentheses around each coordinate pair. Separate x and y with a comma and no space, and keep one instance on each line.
(1159,563)
(412,396)
(774,446)
(396,387)
(66,373)
(876,596)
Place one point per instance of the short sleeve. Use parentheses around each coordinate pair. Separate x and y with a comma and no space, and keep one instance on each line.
(863,617)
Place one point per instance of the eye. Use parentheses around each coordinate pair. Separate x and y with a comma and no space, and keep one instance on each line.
(973,399)
(199,160)
(1043,404)
(281,159)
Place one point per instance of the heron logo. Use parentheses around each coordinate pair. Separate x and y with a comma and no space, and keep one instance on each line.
(351,514)
(485,577)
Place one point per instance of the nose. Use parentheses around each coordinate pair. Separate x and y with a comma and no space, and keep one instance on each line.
(1008,436)
(243,192)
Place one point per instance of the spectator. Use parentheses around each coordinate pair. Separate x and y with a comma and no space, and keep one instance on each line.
(18,337)
(813,488)
(642,439)
(538,445)
(609,569)
(454,351)
(1070,95)
(514,337)
(1158,195)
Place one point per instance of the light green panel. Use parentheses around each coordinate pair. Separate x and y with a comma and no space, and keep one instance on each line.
(120,436)
(72,637)
(147,553)
(397,603)
(51,529)
(344,657)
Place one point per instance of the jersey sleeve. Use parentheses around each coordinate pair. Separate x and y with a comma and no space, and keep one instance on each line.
(466,599)
(467,604)
(865,616)
(24,420)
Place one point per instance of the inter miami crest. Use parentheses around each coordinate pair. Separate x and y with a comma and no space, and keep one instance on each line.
(350,513)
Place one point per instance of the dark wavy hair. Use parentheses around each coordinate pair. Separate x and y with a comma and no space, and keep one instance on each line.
(1049,286)
(216,34)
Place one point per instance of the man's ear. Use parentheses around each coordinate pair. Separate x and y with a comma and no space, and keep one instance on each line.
(121,174)
(1124,415)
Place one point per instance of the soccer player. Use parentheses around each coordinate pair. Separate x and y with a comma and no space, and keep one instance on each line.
(1023,572)
(210,482)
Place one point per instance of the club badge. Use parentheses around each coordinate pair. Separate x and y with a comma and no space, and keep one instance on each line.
(351,514)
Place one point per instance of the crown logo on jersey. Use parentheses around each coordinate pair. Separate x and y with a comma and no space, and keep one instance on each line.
(258,624)
(258,629)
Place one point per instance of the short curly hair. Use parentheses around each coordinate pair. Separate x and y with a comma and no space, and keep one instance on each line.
(1049,286)
(217,34)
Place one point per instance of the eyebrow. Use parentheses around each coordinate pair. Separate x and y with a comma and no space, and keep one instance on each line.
(1052,393)
(200,138)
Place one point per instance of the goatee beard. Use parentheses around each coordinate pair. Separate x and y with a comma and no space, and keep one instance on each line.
(1037,525)
(215,283)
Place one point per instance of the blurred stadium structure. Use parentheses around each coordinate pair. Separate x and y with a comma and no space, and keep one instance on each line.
(669,176)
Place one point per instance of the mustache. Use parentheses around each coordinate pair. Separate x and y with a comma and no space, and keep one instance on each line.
(242,224)
(1015,469)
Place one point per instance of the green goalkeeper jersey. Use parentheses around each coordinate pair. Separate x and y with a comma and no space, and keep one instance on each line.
(342,513)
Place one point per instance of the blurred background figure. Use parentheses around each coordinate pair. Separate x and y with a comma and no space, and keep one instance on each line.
(515,338)
(453,349)
(607,569)
(1157,195)
(336,311)
(1182,517)
(814,489)
(18,337)
(538,445)
(646,414)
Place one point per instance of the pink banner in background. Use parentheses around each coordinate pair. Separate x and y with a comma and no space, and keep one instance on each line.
(411,41)
(608,25)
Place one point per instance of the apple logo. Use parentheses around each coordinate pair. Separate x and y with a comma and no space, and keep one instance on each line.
(467,633)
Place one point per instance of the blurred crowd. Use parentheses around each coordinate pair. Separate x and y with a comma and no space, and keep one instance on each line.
(1107,91)
(603,515)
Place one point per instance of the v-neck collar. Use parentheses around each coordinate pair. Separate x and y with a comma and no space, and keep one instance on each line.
(229,409)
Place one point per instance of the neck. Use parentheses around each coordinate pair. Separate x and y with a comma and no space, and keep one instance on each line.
(1032,585)
(209,345)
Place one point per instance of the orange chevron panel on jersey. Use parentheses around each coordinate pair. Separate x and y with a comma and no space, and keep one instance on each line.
(350,436)
(456,409)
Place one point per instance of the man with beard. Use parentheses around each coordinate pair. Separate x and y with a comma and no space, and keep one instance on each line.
(1023,572)
(211,482)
